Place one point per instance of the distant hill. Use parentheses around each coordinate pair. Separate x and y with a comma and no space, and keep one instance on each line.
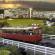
(39,5)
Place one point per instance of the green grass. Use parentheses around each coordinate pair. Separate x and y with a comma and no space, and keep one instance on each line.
(23,22)
(4,52)
(28,22)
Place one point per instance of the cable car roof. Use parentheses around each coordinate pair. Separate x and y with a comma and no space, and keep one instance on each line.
(18,28)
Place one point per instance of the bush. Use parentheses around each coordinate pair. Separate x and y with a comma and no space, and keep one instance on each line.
(48,30)
(14,50)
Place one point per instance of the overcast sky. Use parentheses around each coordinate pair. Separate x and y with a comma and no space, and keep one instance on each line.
(30,4)
(52,1)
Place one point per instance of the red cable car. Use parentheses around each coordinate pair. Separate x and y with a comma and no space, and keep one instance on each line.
(27,34)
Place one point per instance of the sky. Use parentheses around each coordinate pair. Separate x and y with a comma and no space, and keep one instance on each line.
(51,1)
(25,4)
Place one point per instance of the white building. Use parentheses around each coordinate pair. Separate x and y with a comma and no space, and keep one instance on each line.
(1,16)
(43,14)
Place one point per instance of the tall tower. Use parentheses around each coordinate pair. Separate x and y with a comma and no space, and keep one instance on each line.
(30,9)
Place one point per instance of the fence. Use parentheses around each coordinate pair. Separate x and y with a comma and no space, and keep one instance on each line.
(28,46)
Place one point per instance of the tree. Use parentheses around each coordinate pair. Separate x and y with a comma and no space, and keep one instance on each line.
(2,12)
(14,50)
(48,30)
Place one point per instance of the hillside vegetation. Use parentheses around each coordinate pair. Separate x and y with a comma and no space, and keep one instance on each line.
(29,22)
(22,22)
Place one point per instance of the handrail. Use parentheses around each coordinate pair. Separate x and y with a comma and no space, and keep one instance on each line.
(35,48)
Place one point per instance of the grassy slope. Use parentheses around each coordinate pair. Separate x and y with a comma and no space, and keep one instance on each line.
(29,22)
(4,52)
(23,22)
